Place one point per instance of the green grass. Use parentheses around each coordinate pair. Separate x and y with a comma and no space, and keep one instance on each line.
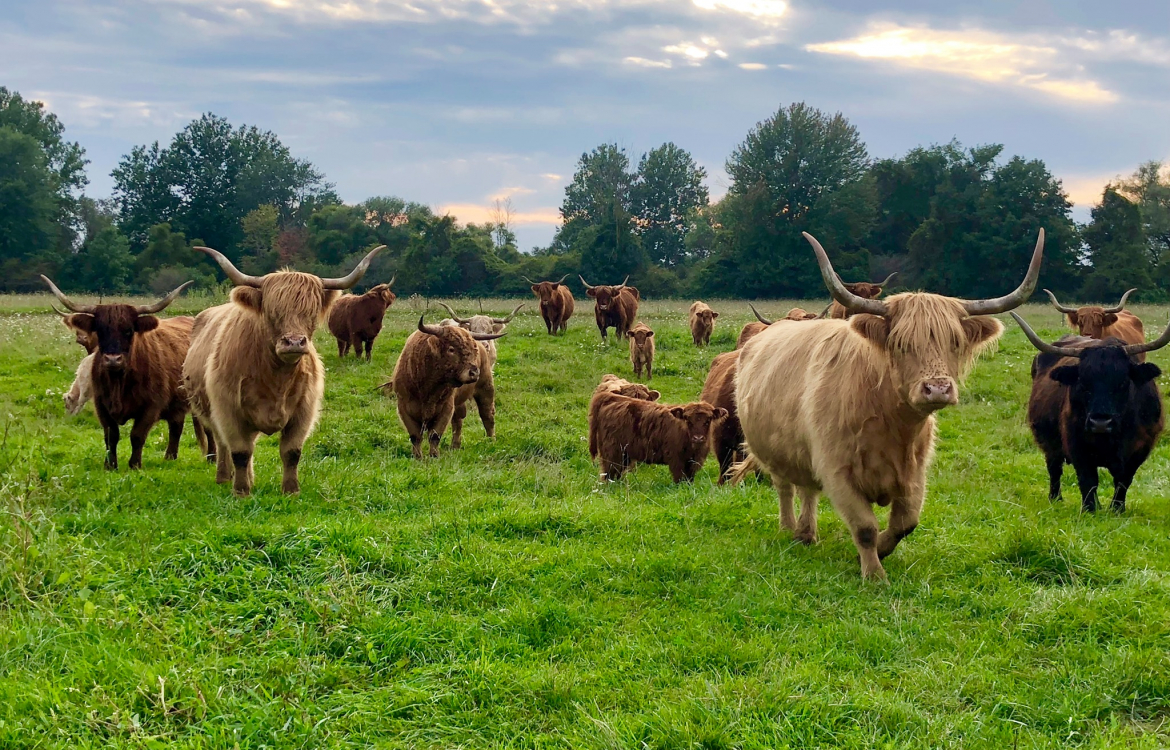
(501,597)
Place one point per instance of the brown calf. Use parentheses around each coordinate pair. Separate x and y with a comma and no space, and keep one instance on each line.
(753,329)
(612,384)
(85,339)
(702,320)
(356,319)
(617,307)
(642,350)
(625,431)
(719,390)
(862,289)
(556,303)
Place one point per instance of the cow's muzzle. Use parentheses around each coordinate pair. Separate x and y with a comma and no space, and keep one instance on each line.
(470,375)
(1101,424)
(937,393)
(115,362)
(292,346)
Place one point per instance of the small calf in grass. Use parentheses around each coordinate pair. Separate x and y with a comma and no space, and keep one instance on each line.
(81,391)
(612,384)
(702,320)
(642,350)
(625,431)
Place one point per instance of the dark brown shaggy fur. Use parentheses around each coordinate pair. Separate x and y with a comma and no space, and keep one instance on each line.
(627,431)
(719,390)
(556,305)
(483,391)
(614,384)
(862,289)
(356,319)
(702,320)
(616,308)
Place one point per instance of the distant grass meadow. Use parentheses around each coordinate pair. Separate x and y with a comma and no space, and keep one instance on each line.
(501,597)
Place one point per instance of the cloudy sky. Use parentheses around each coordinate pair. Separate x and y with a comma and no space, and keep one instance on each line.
(457,102)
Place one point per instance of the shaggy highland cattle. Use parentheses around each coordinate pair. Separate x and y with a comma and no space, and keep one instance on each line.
(483,324)
(862,289)
(642,350)
(612,384)
(81,389)
(1094,404)
(847,406)
(439,364)
(85,339)
(136,372)
(617,307)
(1098,322)
(625,431)
(356,319)
(702,321)
(719,390)
(556,303)
(753,329)
(252,367)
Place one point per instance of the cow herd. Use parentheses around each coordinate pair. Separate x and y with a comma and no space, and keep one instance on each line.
(840,403)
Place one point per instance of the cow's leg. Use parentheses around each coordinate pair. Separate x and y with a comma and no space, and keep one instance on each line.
(548,324)
(113,435)
(1055,471)
(369,349)
(485,401)
(904,513)
(209,448)
(341,348)
(174,434)
(439,426)
(138,434)
(1087,480)
(414,428)
(223,461)
(292,439)
(201,435)
(457,417)
(806,526)
(649,370)
(242,451)
(857,513)
(784,493)
(724,447)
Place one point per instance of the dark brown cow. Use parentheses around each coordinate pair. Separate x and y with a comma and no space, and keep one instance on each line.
(719,390)
(617,307)
(702,320)
(556,303)
(435,362)
(642,350)
(627,431)
(1098,322)
(753,329)
(356,319)
(620,386)
(862,289)
(138,371)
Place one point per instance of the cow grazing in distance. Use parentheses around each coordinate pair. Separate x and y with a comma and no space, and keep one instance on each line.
(798,313)
(702,320)
(435,364)
(1098,322)
(81,390)
(624,431)
(719,390)
(483,324)
(85,339)
(356,319)
(252,367)
(753,329)
(642,350)
(862,289)
(617,307)
(847,406)
(1094,404)
(556,303)
(136,372)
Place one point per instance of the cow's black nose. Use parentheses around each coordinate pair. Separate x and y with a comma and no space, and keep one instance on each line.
(295,341)
(113,360)
(1101,423)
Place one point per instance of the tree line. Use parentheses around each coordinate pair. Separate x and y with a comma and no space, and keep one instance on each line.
(954,220)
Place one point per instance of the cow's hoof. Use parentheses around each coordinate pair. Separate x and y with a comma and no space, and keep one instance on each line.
(805,537)
(290,488)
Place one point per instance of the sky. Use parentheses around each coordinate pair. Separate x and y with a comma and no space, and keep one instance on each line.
(458,103)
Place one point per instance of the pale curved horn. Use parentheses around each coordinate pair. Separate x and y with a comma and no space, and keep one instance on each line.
(562,280)
(583,281)
(530,281)
(456,318)
(345,282)
(623,284)
(1150,346)
(847,298)
(504,321)
(164,302)
(1057,305)
(759,317)
(69,304)
(1063,351)
(238,277)
(887,279)
(488,336)
(62,314)
(392,280)
(430,330)
(1019,296)
(1121,304)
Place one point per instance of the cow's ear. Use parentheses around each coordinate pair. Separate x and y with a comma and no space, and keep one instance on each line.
(654,395)
(679,412)
(1073,320)
(649,334)
(714,315)
(981,329)
(80,321)
(873,327)
(1110,318)
(1144,372)
(721,413)
(534,288)
(328,297)
(497,327)
(248,296)
(591,292)
(1066,374)
(144,323)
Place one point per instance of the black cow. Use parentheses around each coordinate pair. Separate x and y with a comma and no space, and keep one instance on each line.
(1094,404)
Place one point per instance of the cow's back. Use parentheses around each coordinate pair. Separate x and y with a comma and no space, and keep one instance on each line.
(1128,328)
(750,331)
(340,314)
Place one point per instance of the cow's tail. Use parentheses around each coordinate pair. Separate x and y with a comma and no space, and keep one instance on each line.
(741,469)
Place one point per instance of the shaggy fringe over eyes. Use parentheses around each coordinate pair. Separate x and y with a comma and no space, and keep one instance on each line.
(294,293)
(923,321)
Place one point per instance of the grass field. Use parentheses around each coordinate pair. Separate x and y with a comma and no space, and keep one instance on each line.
(501,597)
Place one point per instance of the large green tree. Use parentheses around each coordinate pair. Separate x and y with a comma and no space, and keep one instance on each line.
(1117,250)
(667,187)
(1149,188)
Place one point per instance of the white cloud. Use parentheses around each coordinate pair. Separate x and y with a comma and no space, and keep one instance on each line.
(643,62)
(761,9)
(753,66)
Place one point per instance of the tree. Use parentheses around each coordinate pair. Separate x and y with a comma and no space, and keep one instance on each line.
(1149,188)
(1117,249)
(65,159)
(602,180)
(102,265)
(667,187)
(261,227)
(28,210)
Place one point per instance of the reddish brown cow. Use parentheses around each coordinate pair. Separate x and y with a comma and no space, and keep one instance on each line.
(617,307)
(642,350)
(753,329)
(719,390)
(356,319)
(702,320)
(614,385)
(1098,322)
(626,431)
(85,339)
(137,373)
(556,303)
(862,289)
(435,362)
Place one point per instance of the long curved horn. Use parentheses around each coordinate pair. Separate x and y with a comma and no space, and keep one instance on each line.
(847,298)
(887,279)
(392,280)
(504,321)
(345,282)
(430,330)
(1150,346)
(162,303)
(238,277)
(1019,296)
(583,281)
(623,284)
(1121,304)
(530,281)
(1057,305)
(759,317)
(62,314)
(69,304)
(488,336)
(456,318)
(825,313)
(1063,351)
(562,281)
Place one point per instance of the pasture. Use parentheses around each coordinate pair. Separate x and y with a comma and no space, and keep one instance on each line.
(501,597)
